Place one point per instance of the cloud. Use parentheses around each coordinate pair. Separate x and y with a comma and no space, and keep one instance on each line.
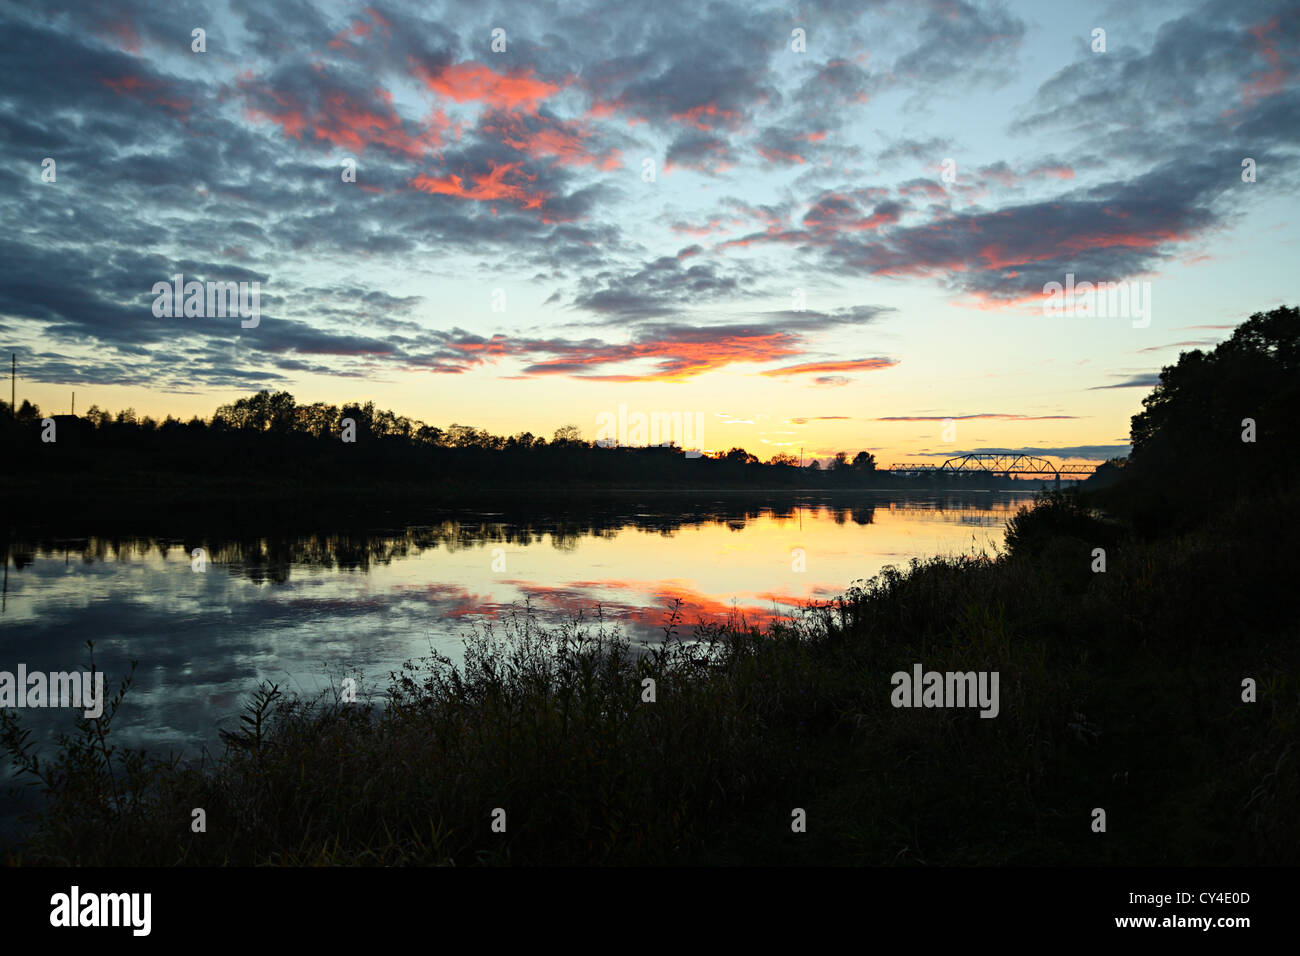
(513,89)
(1107,232)
(958,38)
(1005,416)
(850,365)
(504,181)
(1137,381)
(674,352)
(701,151)
(927,151)
(318,106)
(1181,345)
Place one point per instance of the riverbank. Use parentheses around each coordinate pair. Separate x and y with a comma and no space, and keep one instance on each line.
(1118,690)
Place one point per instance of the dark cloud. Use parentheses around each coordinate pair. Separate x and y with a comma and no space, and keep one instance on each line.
(928,151)
(700,151)
(661,287)
(1220,65)
(1109,232)
(961,39)
(1136,381)
(1200,343)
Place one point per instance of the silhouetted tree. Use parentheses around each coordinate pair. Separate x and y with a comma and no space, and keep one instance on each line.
(280,413)
(1189,442)
(99,417)
(864,462)
(29,414)
(318,420)
(363,416)
(740,457)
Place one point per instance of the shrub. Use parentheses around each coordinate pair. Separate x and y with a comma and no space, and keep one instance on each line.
(1057,515)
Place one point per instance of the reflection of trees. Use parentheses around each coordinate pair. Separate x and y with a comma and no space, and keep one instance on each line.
(271,555)
(864,515)
(955,506)
(565,540)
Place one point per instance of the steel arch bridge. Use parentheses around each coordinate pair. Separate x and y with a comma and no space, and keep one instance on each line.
(1005,465)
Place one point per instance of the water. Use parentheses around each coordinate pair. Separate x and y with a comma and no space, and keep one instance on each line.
(303,610)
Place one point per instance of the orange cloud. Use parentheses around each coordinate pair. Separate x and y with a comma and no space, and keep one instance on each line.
(348,123)
(566,141)
(853,365)
(470,81)
(491,185)
(344,120)
(990,302)
(774,155)
(678,359)
(998,255)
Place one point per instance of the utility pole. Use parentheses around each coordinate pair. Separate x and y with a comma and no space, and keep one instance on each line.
(13,377)
(74,404)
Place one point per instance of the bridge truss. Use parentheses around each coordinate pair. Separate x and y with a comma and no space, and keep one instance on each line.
(1004,465)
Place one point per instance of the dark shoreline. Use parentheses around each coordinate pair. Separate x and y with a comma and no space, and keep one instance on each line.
(177,504)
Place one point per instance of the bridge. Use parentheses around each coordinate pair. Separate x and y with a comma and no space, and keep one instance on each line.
(997,465)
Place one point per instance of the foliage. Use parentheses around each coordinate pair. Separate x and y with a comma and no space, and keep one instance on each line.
(1054,516)
(1188,447)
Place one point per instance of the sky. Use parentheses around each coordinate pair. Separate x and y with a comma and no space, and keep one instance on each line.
(812,227)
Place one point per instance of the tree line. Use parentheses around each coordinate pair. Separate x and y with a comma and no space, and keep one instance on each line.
(272,431)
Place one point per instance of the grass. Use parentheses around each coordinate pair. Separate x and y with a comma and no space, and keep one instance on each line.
(1119,690)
